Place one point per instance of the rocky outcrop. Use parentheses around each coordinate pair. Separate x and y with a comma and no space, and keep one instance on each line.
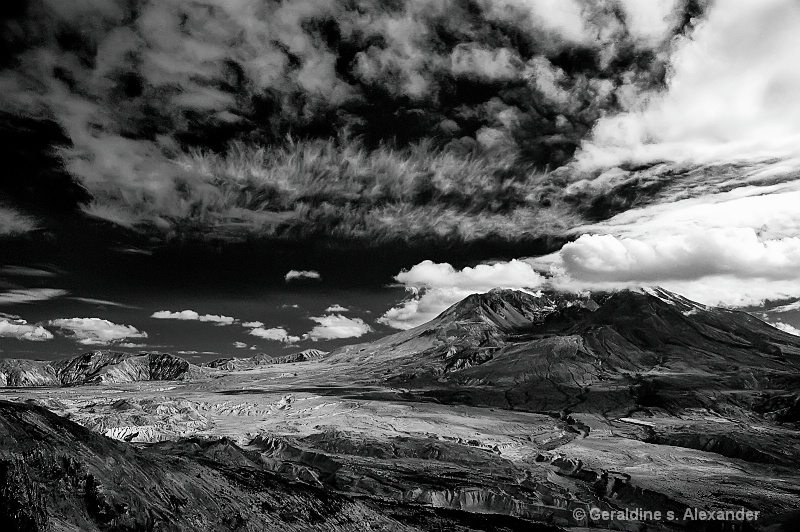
(97,367)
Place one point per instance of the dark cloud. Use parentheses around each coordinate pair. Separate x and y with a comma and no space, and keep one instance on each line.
(113,92)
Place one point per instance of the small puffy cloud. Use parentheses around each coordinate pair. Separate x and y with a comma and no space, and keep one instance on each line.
(221,320)
(19,329)
(337,326)
(191,315)
(294,275)
(252,324)
(336,308)
(239,345)
(278,334)
(182,315)
(96,331)
(30,295)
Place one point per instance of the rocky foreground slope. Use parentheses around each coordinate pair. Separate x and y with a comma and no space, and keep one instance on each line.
(57,475)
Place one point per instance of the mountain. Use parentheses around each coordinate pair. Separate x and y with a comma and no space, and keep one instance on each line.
(97,367)
(601,352)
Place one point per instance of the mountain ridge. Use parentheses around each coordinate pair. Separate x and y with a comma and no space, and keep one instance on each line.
(97,367)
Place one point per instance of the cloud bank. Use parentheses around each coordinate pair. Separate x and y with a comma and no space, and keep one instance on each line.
(731,94)
(136,85)
(734,267)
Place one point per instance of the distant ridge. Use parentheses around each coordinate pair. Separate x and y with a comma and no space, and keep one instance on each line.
(234,363)
(96,367)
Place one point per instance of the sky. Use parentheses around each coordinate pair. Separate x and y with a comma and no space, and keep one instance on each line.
(682,116)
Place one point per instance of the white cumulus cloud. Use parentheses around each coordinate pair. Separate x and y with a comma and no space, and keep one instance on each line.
(294,275)
(279,334)
(191,315)
(96,331)
(336,308)
(336,326)
(20,329)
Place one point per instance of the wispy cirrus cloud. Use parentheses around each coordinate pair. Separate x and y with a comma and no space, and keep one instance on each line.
(790,307)
(30,295)
(101,302)
(25,271)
